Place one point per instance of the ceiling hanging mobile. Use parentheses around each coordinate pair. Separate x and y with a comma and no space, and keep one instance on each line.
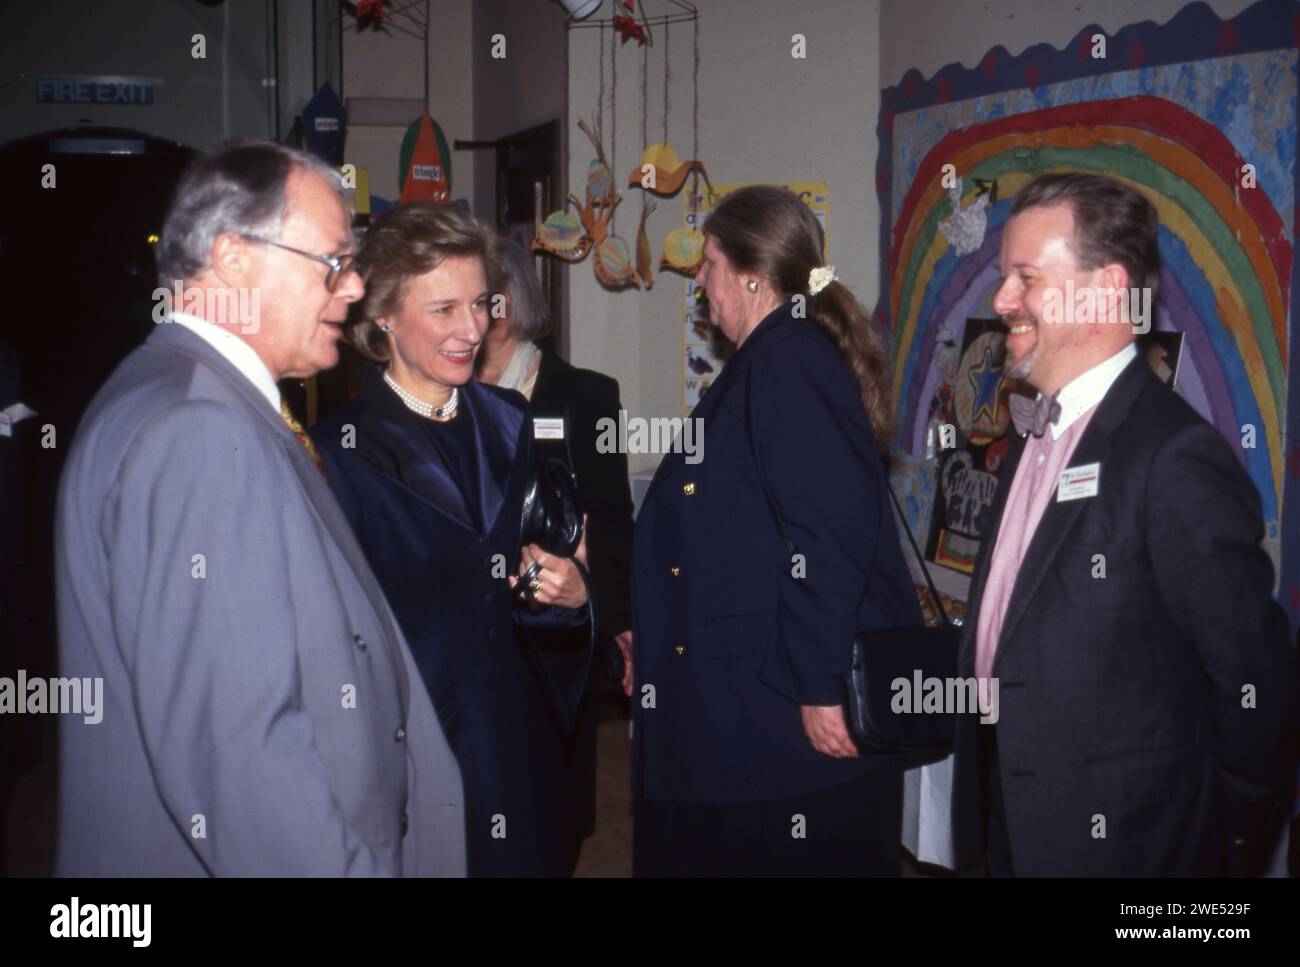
(571,236)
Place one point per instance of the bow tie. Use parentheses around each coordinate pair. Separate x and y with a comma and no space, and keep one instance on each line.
(1033,416)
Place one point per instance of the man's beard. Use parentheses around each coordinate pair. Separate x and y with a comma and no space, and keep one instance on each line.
(1022,369)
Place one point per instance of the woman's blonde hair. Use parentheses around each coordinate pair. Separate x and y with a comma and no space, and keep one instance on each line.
(401,244)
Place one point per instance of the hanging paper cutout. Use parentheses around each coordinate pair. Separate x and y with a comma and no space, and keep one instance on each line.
(323,120)
(683,249)
(643,256)
(563,236)
(627,26)
(557,235)
(661,172)
(425,163)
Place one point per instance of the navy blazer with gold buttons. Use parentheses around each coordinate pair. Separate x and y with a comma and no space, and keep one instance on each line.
(729,641)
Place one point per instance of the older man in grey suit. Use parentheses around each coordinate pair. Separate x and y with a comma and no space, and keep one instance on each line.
(258,711)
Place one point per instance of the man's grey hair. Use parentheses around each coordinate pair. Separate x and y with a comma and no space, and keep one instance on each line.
(240,188)
(530,317)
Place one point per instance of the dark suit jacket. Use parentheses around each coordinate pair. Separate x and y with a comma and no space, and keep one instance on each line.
(582,398)
(1121,697)
(447,586)
(731,641)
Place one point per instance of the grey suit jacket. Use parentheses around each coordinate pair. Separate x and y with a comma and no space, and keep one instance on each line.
(258,712)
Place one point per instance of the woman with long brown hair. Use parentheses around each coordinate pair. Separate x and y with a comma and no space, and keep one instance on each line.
(744,763)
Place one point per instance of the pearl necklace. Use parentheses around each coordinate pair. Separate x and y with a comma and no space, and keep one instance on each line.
(417,405)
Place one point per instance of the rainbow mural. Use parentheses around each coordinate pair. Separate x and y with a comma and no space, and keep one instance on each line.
(1200,116)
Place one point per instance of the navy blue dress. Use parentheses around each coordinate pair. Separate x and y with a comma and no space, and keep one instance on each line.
(732,637)
(436,508)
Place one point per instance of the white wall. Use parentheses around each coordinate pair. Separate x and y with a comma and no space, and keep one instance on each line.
(928,34)
(764,116)
(390,65)
(525,88)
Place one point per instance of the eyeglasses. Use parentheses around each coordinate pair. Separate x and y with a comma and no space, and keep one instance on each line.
(339,265)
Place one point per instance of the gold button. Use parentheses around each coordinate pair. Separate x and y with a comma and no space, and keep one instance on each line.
(680,649)
(688,489)
(675,571)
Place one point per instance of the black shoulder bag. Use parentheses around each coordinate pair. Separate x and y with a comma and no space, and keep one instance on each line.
(880,657)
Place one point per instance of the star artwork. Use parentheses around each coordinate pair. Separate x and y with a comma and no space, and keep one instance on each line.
(985,378)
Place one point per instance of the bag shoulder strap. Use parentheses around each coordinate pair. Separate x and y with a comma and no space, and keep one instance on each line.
(920,558)
(785,533)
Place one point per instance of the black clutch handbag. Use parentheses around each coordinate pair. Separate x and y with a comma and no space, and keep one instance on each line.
(551,519)
(877,658)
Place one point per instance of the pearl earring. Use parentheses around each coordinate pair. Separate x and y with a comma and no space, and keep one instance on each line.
(752,285)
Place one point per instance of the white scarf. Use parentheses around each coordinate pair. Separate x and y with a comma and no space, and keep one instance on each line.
(517,370)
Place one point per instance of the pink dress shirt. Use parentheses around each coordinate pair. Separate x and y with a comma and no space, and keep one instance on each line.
(1032,488)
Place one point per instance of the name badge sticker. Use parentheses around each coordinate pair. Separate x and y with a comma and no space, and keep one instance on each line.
(1078,482)
(548,428)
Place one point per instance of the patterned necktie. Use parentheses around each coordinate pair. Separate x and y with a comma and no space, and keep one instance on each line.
(286,414)
(1033,416)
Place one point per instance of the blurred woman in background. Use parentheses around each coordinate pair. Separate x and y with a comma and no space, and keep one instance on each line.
(566,405)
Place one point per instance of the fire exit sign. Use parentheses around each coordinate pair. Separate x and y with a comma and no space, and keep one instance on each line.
(136,91)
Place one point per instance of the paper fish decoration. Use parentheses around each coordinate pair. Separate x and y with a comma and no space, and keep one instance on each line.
(643,256)
(600,180)
(562,235)
(683,250)
(571,237)
(612,266)
(660,171)
(556,236)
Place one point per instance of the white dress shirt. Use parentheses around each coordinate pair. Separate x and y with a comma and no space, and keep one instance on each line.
(239,353)
(1084,392)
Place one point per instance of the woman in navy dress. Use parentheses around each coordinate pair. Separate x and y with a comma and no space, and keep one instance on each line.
(743,761)
(431,467)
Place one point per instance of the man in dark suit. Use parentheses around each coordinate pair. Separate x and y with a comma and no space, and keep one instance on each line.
(1122,600)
